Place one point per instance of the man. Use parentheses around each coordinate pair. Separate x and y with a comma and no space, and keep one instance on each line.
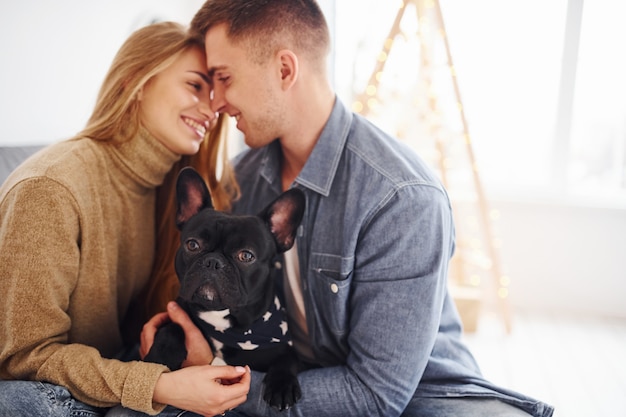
(366,283)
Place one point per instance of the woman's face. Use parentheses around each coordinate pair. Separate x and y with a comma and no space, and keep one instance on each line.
(174,104)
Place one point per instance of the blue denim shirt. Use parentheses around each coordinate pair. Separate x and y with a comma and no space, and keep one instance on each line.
(374,247)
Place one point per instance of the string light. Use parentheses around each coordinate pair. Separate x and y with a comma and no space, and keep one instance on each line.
(476,255)
(475,280)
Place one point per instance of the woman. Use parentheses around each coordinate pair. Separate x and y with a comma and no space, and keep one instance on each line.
(78,236)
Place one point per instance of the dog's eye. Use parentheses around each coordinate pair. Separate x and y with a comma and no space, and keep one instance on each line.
(192,245)
(245,256)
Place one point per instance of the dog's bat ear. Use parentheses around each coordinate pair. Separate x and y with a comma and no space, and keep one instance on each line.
(192,195)
(283,216)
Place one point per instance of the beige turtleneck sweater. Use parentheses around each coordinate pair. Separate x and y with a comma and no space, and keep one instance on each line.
(76,246)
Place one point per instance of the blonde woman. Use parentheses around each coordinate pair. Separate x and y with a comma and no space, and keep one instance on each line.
(79,224)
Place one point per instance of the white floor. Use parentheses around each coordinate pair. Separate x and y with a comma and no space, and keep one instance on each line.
(576,364)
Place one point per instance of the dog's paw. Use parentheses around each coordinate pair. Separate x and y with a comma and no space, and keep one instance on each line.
(169,347)
(281,389)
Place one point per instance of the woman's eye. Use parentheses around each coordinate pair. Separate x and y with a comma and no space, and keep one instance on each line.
(192,245)
(245,256)
(196,86)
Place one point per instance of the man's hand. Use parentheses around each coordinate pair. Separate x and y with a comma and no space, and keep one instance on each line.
(198,349)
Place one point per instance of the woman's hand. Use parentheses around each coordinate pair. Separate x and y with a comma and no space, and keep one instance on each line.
(198,349)
(199,388)
(149,330)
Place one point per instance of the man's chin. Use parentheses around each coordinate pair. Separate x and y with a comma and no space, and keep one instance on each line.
(253,142)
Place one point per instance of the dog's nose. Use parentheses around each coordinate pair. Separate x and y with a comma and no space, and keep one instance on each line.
(213,262)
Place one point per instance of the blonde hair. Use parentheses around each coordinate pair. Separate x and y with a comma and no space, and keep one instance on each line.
(115,118)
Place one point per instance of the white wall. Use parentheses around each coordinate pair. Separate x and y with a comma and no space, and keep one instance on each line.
(564,256)
(55,55)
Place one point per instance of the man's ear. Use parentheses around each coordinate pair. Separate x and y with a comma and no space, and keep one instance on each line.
(288,68)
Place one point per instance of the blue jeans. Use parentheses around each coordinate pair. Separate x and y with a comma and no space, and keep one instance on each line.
(466,407)
(422,407)
(168,412)
(40,399)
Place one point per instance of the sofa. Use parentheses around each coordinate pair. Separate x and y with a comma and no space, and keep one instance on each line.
(12,156)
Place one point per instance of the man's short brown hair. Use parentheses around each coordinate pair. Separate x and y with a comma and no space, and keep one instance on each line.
(266,26)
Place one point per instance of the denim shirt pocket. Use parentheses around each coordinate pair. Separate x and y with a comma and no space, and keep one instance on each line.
(332,277)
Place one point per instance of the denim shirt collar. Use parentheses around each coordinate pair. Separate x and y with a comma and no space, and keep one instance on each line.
(319,171)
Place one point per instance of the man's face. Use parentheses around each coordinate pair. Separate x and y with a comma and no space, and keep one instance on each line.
(244,89)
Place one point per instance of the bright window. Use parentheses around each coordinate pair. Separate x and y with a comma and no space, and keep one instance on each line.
(541,86)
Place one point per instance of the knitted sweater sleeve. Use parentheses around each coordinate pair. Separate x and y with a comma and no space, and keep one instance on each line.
(40,253)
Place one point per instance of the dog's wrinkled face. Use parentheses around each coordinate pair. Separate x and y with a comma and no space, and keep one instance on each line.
(224,260)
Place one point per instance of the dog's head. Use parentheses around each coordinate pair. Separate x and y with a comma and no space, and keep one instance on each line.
(224,260)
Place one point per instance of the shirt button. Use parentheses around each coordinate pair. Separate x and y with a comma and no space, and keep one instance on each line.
(334,288)
(278,265)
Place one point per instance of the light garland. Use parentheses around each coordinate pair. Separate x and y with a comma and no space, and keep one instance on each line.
(427,103)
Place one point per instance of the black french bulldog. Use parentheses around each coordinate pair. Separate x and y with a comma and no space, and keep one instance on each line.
(224,266)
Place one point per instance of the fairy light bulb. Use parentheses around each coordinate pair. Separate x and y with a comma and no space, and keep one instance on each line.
(505,281)
(475,280)
(388,44)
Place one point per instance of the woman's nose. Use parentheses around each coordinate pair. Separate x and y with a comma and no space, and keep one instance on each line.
(210,115)
(218,103)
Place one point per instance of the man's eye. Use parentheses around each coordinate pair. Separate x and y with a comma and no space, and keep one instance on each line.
(192,245)
(245,256)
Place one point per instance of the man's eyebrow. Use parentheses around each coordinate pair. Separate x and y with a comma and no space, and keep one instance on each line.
(204,76)
(213,69)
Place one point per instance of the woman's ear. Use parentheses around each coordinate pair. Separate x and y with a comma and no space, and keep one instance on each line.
(288,68)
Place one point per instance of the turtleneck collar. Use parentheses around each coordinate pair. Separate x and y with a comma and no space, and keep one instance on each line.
(144,159)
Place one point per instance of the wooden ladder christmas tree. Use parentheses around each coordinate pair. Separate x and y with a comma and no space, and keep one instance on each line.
(420,116)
